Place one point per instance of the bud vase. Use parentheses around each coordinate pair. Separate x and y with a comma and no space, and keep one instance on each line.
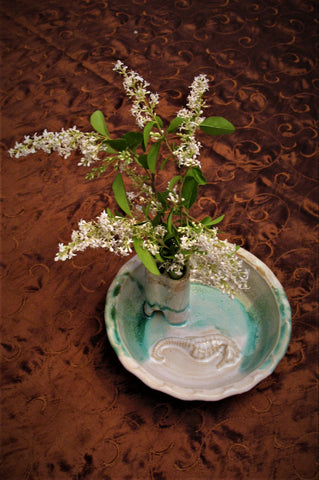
(168,296)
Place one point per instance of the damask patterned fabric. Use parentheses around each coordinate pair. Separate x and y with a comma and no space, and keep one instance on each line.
(69,408)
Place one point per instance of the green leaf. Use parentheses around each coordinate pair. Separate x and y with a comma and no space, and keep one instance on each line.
(164,163)
(189,191)
(146,258)
(157,220)
(216,126)
(170,222)
(162,196)
(146,210)
(208,221)
(159,121)
(118,144)
(159,258)
(197,174)
(120,194)
(142,160)
(119,214)
(89,176)
(218,220)
(152,156)
(133,139)
(174,125)
(171,246)
(98,123)
(146,134)
(107,148)
(173,181)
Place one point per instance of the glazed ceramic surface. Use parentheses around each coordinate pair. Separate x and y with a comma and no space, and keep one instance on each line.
(226,346)
(171,297)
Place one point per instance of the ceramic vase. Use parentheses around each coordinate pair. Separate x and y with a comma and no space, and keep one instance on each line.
(168,296)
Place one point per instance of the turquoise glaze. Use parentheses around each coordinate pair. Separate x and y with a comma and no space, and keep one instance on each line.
(156,306)
(257,324)
(208,307)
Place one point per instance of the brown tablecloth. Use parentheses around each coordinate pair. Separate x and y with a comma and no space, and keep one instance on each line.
(69,408)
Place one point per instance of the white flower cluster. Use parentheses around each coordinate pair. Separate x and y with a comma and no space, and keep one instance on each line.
(188,151)
(212,261)
(108,232)
(153,237)
(215,263)
(63,142)
(136,88)
(173,196)
(143,197)
(199,86)
(125,161)
(113,233)
(177,267)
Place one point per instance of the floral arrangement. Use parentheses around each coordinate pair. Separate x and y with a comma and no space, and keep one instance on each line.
(156,223)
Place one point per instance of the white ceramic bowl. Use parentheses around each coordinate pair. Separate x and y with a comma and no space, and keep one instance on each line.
(226,347)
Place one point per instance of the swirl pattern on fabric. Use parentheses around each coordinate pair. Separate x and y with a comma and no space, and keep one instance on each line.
(69,409)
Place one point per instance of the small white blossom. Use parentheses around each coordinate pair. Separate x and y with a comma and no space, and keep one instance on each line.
(131,196)
(111,233)
(156,135)
(188,151)
(136,88)
(154,99)
(173,196)
(153,248)
(119,66)
(160,231)
(199,86)
(124,160)
(63,142)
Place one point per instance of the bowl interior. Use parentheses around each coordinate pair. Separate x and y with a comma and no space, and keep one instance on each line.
(256,323)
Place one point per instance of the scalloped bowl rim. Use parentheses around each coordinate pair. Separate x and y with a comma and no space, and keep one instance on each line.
(212,394)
